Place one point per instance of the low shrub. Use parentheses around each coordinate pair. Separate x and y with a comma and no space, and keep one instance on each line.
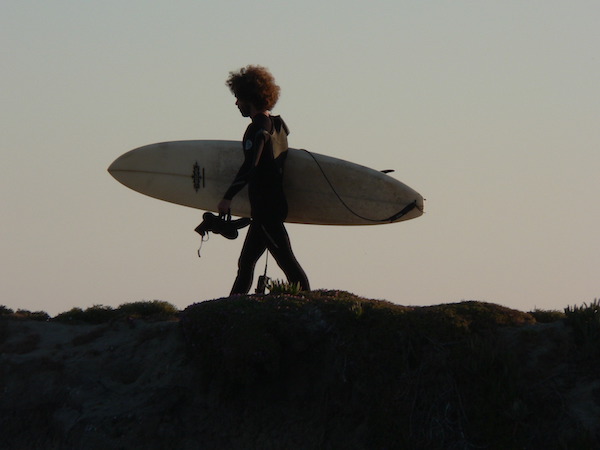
(585,322)
(95,314)
(155,309)
(281,287)
(23,314)
(547,316)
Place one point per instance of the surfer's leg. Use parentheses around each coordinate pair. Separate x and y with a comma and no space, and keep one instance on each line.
(254,247)
(278,243)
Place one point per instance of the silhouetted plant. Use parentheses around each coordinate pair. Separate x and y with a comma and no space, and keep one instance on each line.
(156,309)
(95,314)
(282,287)
(585,322)
(547,316)
(24,314)
(4,310)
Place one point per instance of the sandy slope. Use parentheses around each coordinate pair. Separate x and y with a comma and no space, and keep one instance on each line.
(92,383)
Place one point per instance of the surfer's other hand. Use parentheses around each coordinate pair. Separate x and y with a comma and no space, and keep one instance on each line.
(224,206)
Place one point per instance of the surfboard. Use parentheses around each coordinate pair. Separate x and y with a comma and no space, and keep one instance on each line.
(319,189)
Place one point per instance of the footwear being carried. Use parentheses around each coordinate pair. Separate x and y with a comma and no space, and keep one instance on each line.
(222,225)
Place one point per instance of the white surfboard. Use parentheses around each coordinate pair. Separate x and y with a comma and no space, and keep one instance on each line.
(319,189)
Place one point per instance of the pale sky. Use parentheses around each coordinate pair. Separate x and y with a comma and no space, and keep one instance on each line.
(491,110)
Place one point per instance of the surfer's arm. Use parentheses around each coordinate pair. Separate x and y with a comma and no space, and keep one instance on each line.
(260,136)
(240,180)
(251,160)
(254,142)
(224,206)
(259,144)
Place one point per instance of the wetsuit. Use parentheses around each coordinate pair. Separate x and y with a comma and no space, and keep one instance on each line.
(265,151)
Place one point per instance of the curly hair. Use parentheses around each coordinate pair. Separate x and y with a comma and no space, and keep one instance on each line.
(256,85)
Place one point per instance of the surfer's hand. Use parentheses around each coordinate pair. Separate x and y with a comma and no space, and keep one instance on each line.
(224,206)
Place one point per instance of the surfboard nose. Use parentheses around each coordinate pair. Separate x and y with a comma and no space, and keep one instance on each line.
(128,162)
(123,162)
(114,167)
(131,161)
(118,168)
(148,158)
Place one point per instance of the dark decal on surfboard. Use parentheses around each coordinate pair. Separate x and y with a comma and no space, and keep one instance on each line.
(197,177)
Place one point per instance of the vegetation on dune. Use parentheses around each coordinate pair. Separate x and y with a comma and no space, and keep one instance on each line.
(361,373)
(154,310)
(585,322)
(447,376)
(97,314)
(23,314)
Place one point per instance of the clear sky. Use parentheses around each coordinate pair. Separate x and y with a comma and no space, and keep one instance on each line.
(491,110)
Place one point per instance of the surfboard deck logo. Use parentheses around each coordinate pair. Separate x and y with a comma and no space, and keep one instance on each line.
(320,189)
(198,177)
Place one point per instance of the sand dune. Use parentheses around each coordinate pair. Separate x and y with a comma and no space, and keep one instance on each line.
(330,371)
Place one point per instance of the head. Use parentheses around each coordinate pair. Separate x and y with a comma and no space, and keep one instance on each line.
(254,87)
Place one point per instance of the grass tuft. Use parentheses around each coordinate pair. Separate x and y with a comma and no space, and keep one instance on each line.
(281,287)
(585,322)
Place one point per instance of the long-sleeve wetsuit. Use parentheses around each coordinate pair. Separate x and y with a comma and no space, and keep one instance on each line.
(265,151)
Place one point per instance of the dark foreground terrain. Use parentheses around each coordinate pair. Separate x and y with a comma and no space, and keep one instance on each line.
(325,370)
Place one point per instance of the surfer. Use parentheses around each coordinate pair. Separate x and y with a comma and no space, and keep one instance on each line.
(265,149)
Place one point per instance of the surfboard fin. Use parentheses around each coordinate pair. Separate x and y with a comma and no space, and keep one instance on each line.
(221,225)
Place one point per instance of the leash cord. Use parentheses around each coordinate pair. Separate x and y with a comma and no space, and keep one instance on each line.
(392,218)
(202,242)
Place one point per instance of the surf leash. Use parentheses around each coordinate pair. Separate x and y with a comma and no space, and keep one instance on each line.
(263,280)
(408,208)
(202,239)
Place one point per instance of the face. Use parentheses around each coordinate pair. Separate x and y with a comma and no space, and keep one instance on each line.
(243,106)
